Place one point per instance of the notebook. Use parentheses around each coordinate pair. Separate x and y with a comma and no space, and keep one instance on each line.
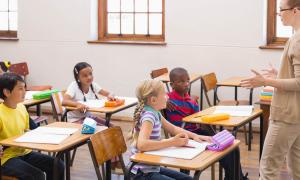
(234,110)
(29,94)
(194,149)
(46,135)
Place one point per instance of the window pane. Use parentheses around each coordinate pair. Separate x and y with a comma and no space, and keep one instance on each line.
(113,6)
(155,24)
(127,24)
(141,23)
(113,23)
(127,5)
(141,5)
(3,21)
(13,6)
(3,5)
(155,5)
(13,21)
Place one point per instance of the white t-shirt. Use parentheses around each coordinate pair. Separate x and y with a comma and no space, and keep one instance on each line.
(77,95)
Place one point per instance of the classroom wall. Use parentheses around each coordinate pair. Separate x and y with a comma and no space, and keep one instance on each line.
(201,35)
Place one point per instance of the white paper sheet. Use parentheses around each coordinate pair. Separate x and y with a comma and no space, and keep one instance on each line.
(29,94)
(32,137)
(181,152)
(234,110)
(46,135)
(99,103)
(55,130)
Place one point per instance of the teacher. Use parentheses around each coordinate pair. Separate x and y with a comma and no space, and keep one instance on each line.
(283,136)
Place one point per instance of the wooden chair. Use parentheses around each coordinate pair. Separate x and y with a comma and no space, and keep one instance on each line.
(209,83)
(158,72)
(106,145)
(22,70)
(57,108)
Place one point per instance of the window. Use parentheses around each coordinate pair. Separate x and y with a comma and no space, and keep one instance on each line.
(131,20)
(277,34)
(8,18)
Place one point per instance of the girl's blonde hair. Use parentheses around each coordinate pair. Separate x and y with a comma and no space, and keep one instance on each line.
(145,90)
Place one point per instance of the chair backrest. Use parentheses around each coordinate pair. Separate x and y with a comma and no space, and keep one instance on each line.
(209,82)
(56,101)
(107,145)
(20,68)
(158,72)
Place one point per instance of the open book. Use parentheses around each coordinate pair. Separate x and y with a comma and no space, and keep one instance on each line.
(192,150)
(46,135)
(234,110)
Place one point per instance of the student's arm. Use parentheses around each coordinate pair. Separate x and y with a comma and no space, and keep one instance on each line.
(144,143)
(107,94)
(68,101)
(174,130)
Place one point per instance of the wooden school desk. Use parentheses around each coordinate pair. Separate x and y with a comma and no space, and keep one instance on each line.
(198,164)
(75,140)
(233,122)
(236,83)
(109,111)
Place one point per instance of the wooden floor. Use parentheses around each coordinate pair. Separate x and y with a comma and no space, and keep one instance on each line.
(83,168)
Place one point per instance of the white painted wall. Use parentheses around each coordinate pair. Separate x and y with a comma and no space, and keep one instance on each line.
(202,36)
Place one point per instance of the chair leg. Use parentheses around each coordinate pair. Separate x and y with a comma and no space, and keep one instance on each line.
(73,157)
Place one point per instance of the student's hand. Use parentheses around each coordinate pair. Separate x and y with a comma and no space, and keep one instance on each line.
(82,107)
(111,97)
(1,151)
(171,106)
(270,73)
(256,81)
(180,139)
(200,138)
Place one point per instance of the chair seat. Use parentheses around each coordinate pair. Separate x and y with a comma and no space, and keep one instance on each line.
(39,119)
(39,88)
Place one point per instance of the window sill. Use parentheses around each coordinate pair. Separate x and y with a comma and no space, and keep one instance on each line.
(9,39)
(127,42)
(272,46)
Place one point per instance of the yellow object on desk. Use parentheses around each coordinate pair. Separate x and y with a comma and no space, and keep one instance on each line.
(215,117)
(115,103)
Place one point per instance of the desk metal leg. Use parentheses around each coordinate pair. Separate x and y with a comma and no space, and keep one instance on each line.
(197,175)
(58,157)
(235,93)
(107,118)
(234,131)
(67,159)
(261,136)
(108,170)
(38,110)
(250,136)
(237,166)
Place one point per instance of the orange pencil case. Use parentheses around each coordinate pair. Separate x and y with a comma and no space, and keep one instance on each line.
(116,103)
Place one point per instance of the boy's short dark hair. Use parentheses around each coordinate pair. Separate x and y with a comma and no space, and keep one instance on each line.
(9,81)
(177,72)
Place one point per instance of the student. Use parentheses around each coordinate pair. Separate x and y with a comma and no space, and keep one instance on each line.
(147,129)
(22,163)
(83,89)
(283,137)
(180,105)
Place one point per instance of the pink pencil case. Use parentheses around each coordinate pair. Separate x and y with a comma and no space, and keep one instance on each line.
(221,141)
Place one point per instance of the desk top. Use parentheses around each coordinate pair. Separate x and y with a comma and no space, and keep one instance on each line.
(71,141)
(232,81)
(231,122)
(200,162)
(128,103)
(165,77)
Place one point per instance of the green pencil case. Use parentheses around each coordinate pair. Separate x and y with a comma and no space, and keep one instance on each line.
(44,94)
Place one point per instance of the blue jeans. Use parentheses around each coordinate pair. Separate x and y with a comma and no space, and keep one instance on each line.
(32,167)
(164,174)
